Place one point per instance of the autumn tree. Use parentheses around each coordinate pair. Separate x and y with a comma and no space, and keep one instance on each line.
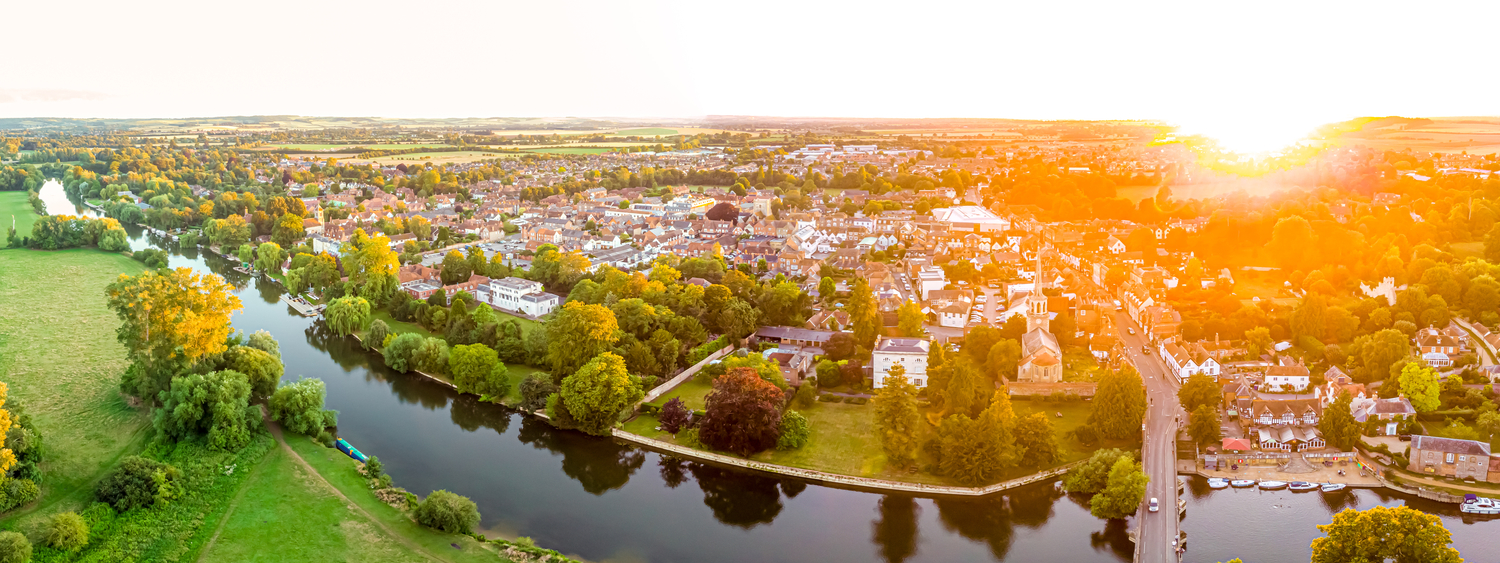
(7,455)
(598,392)
(864,314)
(169,320)
(743,413)
(897,419)
(1420,385)
(455,268)
(1119,404)
(577,333)
(347,315)
(371,265)
(910,319)
(288,230)
(1384,533)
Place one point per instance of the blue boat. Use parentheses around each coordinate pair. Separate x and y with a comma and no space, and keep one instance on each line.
(350,451)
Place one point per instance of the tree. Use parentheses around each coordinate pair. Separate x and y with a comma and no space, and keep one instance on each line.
(288,230)
(1382,533)
(445,511)
(794,431)
(1004,359)
(577,333)
(14,547)
(1119,404)
(1338,425)
(1420,385)
(371,264)
(399,351)
(1199,390)
(431,355)
(347,315)
(67,531)
(375,338)
(964,394)
(269,257)
(599,392)
(477,369)
(137,482)
(1036,440)
(1383,349)
(1293,242)
(1310,318)
(674,415)
(743,413)
(897,419)
(299,407)
(910,319)
(213,404)
(864,314)
(974,450)
(840,346)
(534,391)
(1258,341)
(169,319)
(1093,475)
(455,268)
(826,288)
(1123,493)
(1203,425)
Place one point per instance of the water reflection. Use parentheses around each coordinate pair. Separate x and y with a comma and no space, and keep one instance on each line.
(600,465)
(738,498)
(895,530)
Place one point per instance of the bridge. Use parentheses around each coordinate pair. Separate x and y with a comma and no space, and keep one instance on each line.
(1156,531)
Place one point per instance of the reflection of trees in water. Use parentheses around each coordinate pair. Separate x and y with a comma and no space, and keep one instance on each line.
(791,488)
(270,291)
(895,530)
(346,352)
(1114,537)
(673,470)
(1340,500)
(599,464)
(470,414)
(736,498)
(993,520)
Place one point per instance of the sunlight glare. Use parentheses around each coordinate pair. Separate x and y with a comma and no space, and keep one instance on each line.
(1249,134)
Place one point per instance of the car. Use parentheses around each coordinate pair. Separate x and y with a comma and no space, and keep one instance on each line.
(979,298)
(1130,331)
(1154,506)
(1145,349)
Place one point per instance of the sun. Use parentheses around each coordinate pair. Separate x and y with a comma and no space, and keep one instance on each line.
(1249,133)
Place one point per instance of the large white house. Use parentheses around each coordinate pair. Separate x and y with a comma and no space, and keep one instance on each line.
(525,296)
(910,353)
(1185,364)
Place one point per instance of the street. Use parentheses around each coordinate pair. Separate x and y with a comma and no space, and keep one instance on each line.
(1159,452)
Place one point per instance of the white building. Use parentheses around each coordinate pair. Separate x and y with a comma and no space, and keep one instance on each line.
(910,353)
(525,296)
(1295,377)
(1185,364)
(931,278)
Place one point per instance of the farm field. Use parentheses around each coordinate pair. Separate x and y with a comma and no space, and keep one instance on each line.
(571,150)
(380,146)
(59,356)
(15,210)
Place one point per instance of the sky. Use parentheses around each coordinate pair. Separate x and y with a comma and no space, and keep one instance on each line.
(1205,65)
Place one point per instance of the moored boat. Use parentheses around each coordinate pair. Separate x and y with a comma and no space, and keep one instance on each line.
(1272,485)
(1302,486)
(1333,487)
(1474,504)
(1217,483)
(1242,483)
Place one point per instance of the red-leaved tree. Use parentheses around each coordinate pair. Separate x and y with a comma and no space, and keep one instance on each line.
(674,415)
(744,413)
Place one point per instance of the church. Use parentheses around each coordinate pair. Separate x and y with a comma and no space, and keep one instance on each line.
(1041,355)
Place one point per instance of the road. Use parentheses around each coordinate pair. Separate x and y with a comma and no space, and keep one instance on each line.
(1159,452)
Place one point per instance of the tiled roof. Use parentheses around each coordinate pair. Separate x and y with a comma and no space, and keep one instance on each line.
(1450,445)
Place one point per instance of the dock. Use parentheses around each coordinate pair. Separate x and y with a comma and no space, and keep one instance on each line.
(303,307)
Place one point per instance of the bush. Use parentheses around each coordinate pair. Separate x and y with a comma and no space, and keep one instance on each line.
(534,392)
(830,398)
(374,468)
(137,482)
(14,548)
(20,491)
(299,407)
(806,395)
(67,531)
(1087,435)
(326,439)
(794,431)
(674,415)
(448,512)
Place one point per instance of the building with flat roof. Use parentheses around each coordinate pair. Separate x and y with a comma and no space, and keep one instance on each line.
(970,218)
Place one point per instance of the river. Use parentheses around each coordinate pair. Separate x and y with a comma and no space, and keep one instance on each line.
(603,501)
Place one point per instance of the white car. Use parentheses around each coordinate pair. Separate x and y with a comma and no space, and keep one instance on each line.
(1154,506)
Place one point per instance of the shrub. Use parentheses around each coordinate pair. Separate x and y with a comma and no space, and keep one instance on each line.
(326,439)
(1087,435)
(534,392)
(374,468)
(21,491)
(806,396)
(299,406)
(448,512)
(674,415)
(14,548)
(794,431)
(67,531)
(137,482)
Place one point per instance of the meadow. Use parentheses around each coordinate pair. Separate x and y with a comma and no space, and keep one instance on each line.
(16,210)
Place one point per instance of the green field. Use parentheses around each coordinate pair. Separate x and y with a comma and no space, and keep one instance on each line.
(14,206)
(571,150)
(59,356)
(643,132)
(692,392)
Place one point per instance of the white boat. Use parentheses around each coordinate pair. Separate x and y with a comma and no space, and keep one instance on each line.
(1479,505)
(1333,487)
(1302,486)
(1217,483)
(1242,483)
(1272,485)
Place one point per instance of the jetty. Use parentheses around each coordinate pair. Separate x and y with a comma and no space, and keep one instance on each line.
(303,307)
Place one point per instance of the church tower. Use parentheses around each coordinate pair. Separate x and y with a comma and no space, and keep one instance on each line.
(1036,303)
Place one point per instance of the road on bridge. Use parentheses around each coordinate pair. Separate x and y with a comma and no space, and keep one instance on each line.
(1159,452)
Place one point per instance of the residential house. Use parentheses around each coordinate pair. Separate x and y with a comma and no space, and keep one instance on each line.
(1296,378)
(1449,457)
(910,353)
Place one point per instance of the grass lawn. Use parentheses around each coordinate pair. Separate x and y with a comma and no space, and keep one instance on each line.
(397,327)
(692,392)
(340,471)
(15,206)
(59,356)
(1075,414)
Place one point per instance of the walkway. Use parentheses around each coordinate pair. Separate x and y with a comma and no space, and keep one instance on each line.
(1486,355)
